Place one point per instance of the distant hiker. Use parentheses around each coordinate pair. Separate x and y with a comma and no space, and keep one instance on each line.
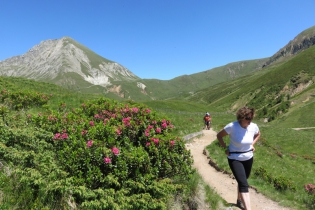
(243,136)
(207,120)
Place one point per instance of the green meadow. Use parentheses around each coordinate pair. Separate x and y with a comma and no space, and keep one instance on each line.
(284,157)
(34,151)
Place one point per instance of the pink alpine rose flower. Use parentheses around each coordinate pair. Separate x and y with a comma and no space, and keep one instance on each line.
(107,160)
(89,143)
(126,121)
(57,136)
(135,109)
(115,150)
(164,125)
(64,136)
(105,121)
(118,131)
(83,132)
(156,141)
(147,133)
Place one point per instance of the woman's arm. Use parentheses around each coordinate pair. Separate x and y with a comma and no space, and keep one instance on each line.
(256,137)
(220,136)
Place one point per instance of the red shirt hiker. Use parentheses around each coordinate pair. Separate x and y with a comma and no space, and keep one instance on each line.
(207,120)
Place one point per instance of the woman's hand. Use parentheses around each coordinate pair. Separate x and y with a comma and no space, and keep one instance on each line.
(253,148)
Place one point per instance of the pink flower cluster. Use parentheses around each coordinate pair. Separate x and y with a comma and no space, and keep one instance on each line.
(59,136)
(147,131)
(89,143)
(115,150)
(166,123)
(97,116)
(309,188)
(84,132)
(135,109)
(118,131)
(126,121)
(105,121)
(155,140)
(107,160)
(52,118)
(158,130)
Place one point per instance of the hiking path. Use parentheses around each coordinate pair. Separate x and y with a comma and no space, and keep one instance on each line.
(222,183)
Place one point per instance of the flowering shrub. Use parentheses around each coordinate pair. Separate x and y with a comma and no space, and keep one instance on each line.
(280,183)
(23,99)
(109,156)
(310,188)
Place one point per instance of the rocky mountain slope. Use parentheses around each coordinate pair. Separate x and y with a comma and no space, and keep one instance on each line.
(64,61)
(301,42)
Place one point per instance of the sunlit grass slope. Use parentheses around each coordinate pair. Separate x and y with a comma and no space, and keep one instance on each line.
(270,88)
(58,94)
(189,84)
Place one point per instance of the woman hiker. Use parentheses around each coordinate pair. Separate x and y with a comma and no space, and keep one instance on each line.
(243,136)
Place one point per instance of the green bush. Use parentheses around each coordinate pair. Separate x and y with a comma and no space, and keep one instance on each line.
(102,155)
(280,183)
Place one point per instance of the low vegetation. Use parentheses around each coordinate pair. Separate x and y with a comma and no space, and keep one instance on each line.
(98,154)
(64,150)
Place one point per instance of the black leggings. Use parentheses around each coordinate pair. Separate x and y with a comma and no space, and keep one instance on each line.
(241,171)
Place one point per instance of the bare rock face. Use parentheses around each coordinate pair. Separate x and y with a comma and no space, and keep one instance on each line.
(301,42)
(62,61)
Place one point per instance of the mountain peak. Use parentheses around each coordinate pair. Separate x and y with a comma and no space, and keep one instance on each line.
(67,63)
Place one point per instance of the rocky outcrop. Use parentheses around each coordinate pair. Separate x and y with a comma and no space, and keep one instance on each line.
(300,43)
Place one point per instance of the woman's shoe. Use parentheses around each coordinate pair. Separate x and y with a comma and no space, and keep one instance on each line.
(240,204)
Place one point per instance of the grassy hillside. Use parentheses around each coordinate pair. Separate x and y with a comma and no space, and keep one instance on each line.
(58,94)
(283,161)
(287,149)
(181,86)
(272,90)
(189,84)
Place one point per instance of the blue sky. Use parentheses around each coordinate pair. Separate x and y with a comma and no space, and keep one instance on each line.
(159,39)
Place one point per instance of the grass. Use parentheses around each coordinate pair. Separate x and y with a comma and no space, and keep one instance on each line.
(282,152)
(188,116)
(200,196)
(262,89)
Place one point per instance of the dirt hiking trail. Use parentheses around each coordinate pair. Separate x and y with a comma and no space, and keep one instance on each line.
(222,183)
